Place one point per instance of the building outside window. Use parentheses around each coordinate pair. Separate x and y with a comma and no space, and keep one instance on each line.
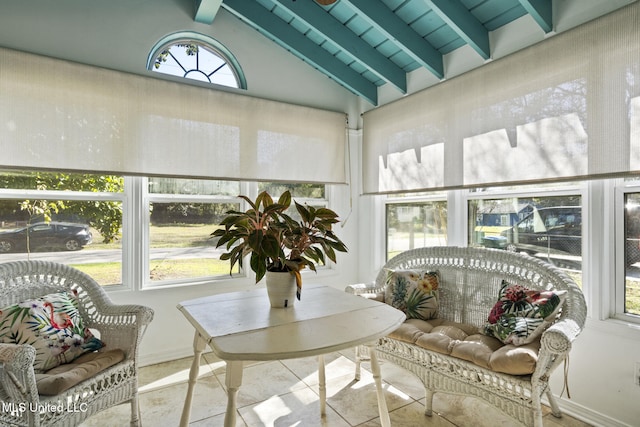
(548,227)
(415,221)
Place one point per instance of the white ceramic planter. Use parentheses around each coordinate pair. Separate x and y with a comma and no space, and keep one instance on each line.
(281,288)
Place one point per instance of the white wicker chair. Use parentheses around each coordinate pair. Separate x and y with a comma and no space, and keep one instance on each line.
(119,326)
(470,281)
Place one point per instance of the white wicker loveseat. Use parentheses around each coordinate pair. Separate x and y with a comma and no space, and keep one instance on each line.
(94,381)
(470,280)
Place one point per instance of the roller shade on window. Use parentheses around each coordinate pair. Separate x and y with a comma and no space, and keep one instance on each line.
(565,108)
(61,115)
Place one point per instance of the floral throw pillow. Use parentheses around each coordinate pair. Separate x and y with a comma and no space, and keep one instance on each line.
(414,292)
(52,325)
(521,314)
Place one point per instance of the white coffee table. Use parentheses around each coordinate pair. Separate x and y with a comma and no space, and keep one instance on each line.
(241,326)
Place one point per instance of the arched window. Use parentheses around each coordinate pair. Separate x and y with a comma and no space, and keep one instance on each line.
(197,57)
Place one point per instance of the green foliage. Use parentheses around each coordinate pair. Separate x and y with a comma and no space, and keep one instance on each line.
(105,216)
(276,241)
(190,49)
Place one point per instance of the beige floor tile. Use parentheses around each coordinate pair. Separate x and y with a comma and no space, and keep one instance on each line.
(283,394)
(263,380)
(336,365)
(411,415)
(357,401)
(298,408)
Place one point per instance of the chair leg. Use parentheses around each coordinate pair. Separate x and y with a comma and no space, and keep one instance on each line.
(537,409)
(135,412)
(428,402)
(358,362)
(553,403)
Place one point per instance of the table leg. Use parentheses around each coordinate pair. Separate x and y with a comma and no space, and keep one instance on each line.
(322,386)
(233,382)
(382,403)
(198,347)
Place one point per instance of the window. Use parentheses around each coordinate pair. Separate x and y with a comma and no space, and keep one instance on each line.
(91,222)
(413,222)
(182,215)
(196,57)
(75,219)
(629,297)
(546,227)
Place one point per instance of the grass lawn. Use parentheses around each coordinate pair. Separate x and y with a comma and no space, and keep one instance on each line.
(197,235)
(166,236)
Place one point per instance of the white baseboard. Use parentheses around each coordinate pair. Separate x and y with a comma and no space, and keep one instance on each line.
(589,416)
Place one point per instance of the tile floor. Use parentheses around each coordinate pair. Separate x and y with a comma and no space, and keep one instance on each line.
(285,394)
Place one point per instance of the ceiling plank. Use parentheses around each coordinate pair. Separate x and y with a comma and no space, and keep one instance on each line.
(541,11)
(398,32)
(458,17)
(206,10)
(322,22)
(287,36)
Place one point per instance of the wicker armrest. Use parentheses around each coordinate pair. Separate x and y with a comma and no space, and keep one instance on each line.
(16,355)
(140,316)
(17,378)
(369,291)
(121,326)
(558,338)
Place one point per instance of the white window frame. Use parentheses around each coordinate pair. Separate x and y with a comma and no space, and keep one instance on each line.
(17,194)
(617,293)
(140,239)
(146,199)
(406,199)
(569,189)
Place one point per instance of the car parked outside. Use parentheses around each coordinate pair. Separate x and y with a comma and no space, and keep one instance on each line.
(553,230)
(46,235)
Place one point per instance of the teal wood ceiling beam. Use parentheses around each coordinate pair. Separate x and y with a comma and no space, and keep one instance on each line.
(315,17)
(275,28)
(541,11)
(397,31)
(458,17)
(206,10)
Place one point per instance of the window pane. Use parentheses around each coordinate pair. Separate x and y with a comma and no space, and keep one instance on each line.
(197,61)
(275,189)
(415,225)
(83,234)
(549,228)
(180,243)
(61,181)
(632,254)
(193,186)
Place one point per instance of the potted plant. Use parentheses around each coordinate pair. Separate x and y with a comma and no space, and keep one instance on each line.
(277,242)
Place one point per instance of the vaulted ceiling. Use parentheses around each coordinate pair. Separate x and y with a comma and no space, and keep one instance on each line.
(364,44)
(378,50)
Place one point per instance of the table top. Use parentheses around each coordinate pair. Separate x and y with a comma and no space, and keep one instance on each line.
(243,326)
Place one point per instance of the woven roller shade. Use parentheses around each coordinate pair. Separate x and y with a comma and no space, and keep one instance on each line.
(60,115)
(565,108)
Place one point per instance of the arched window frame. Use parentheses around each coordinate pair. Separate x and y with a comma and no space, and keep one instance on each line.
(208,43)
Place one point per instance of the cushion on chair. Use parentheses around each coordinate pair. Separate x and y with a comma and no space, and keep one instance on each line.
(521,315)
(414,292)
(52,325)
(466,342)
(63,377)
